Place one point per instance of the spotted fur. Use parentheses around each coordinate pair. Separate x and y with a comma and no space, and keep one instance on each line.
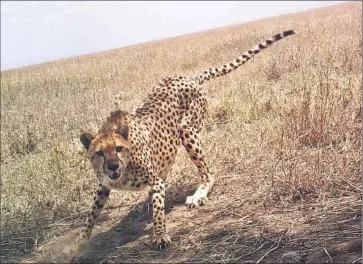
(134,151)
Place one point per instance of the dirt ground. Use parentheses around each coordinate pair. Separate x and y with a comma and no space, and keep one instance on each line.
(220,232)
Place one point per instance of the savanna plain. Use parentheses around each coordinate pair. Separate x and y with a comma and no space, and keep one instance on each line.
(283,137)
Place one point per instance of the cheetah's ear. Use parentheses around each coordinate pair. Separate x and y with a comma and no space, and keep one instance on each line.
(123,131)
(86,139)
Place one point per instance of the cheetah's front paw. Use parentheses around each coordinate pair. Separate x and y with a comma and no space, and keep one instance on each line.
(70,251)
(161,241)
(198,199)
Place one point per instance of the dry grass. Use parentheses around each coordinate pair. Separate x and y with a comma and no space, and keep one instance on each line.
(291,117)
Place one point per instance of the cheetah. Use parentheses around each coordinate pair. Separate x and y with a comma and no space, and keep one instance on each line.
(136,150)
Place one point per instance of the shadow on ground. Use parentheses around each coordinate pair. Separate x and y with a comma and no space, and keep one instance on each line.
(228,239)
(224,232)
(337,239)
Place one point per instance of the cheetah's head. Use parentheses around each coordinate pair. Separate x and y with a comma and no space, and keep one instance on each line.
(109,153)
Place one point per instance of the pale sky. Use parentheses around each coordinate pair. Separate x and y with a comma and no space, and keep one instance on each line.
(37,31)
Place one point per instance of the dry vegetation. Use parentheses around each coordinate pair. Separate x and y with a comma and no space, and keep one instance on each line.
(282,136)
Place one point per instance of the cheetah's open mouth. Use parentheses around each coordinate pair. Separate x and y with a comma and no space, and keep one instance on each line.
(114,176)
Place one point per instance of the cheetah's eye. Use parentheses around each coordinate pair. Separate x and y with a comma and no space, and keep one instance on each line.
(118,149)
(99,153)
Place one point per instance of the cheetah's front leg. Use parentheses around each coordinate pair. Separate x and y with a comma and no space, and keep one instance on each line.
(99,202)
(160,238)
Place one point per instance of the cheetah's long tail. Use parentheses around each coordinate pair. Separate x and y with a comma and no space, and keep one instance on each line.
(240,60)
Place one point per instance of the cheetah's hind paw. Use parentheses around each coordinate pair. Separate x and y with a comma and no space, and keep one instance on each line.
(199,198)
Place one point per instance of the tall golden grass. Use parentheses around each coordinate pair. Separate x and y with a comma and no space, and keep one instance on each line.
(288,122)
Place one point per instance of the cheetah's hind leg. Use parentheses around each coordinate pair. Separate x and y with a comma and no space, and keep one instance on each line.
(191,142)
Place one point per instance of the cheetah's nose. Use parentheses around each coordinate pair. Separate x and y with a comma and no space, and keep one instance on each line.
(112,166)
